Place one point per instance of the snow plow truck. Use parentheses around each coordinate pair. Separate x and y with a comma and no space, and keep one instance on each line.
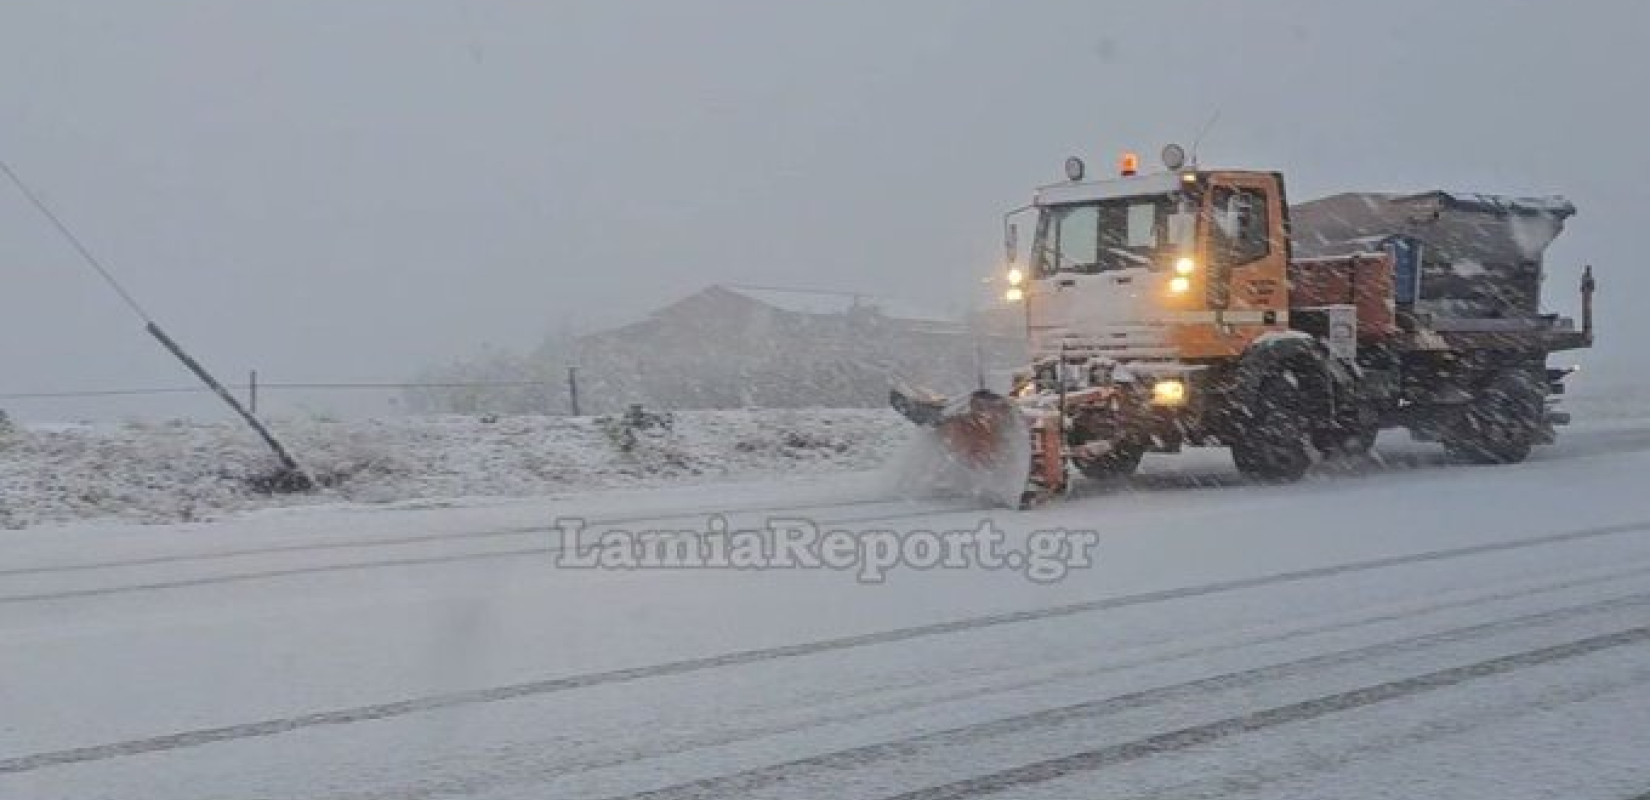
(1196,307)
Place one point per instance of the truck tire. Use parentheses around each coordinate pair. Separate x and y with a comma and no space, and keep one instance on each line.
(1344,443)
(1119,463)
(1274,443)
(1502,424)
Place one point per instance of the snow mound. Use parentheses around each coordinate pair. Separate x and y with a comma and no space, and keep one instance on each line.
(186,471)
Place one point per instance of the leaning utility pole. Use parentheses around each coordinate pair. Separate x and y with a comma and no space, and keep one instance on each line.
(292,477)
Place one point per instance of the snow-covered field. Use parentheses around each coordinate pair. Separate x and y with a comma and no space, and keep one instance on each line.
(1395,628)
(184,471)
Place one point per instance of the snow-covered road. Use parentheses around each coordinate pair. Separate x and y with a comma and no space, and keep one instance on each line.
(1402,629)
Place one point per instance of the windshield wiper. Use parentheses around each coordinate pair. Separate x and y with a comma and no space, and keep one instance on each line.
(1130,255)
(1061,261)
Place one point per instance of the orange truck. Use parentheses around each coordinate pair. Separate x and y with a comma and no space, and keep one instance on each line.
(1189,306)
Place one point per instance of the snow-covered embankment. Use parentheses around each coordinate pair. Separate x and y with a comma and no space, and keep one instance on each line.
(180,471)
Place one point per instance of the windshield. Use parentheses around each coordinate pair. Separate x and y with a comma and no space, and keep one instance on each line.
(1113,234)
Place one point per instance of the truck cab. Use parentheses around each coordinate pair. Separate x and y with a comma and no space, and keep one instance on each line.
(1183,265)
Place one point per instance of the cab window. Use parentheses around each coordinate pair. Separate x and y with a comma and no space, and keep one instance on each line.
(1242,224)
(1113,234)
(1076,237)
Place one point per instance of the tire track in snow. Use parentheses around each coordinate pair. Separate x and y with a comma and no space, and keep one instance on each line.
(367,713)
(406,561)
(537,770)
(495,533)
(1199,735)
(744,783)
(453,558)
(1251,779)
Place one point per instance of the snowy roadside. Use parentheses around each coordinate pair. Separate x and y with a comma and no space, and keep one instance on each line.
(194,471)
(188,471)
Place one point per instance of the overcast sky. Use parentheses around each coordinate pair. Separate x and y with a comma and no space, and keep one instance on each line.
(350,190)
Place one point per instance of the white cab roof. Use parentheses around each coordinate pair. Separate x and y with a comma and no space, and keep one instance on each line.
(1089,191)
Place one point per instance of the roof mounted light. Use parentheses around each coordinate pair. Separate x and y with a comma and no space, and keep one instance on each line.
(1074,169)
(1129,164)
(1174,156)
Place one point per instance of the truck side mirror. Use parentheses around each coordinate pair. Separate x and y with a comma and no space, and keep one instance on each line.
(1011,242)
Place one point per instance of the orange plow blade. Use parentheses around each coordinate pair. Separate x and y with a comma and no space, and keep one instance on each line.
(980,446)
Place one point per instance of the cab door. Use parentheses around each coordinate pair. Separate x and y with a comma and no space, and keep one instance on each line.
(1244,240)
(1248,249)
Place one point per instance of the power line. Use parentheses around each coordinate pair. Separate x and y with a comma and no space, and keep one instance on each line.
(437,385)
(74,241)
(339,386)
(100,393)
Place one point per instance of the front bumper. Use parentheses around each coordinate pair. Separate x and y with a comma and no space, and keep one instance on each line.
(1126,405)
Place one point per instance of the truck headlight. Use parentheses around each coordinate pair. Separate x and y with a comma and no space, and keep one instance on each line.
(1179,284)
(1016,276)
(1185,266)
(1169,392)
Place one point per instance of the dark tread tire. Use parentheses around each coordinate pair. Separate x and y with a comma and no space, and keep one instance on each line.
(1119,463)
(1344,444)
(1501,425)
(1275,445)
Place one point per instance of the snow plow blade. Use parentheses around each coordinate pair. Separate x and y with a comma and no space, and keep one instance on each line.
(980,445)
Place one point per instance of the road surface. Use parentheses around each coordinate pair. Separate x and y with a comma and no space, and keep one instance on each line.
(1392,629)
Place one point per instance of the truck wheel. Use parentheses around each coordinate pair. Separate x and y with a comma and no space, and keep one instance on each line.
(1274,444)
(1501,424)
(1344,443)
(1121,462)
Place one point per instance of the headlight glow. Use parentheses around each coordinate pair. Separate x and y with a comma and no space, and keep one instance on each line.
(1014,294)
(1185,266)
(1016,276)
(1169,392)
(1179,285)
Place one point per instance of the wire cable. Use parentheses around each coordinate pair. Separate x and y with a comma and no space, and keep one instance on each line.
(80,247)
(162,390)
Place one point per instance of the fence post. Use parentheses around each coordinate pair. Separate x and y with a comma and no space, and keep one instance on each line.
(573,389)
(252,391)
